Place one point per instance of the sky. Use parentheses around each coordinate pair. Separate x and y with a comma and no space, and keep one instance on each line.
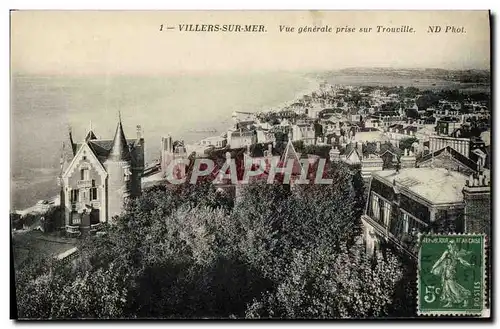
(130,42)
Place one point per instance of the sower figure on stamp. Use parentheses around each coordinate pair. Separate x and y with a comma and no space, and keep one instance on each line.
(446,267)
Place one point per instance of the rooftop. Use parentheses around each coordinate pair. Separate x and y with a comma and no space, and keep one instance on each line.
(372,136)
(436,185)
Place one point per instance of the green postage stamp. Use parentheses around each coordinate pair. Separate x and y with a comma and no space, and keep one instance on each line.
(451,274)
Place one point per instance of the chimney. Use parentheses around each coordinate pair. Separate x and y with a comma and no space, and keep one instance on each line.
(359,146)
(369,165)
(408,159)
(477,199)
(139,133)
(334,154)
(377,149)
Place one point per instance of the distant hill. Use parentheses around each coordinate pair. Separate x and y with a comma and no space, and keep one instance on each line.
(465,76)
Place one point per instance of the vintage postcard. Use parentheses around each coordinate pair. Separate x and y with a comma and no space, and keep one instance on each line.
(250,164)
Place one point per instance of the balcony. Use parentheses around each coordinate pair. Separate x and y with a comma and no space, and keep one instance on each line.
(84,183)
(94,228)
(73,230)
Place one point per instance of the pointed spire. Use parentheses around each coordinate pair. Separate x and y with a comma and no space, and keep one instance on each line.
(119,150)
(70,135)
(68,150)
(90,133)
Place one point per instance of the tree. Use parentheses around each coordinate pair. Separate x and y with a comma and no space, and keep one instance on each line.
(53,290)
(428,99)
(322,284)
(412,113)
(182,252)
(406,143)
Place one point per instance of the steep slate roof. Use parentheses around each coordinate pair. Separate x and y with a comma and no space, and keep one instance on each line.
(102,147)
(90,136)
(119,149)
(348,149)
(371,148)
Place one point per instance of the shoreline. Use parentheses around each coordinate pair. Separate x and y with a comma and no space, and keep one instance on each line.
(26,192)
(313,85)
(31,194)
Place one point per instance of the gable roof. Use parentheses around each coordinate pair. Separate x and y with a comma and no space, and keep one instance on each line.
(454,154)
(290,154)
(92,158)
(102,147)
(349,149)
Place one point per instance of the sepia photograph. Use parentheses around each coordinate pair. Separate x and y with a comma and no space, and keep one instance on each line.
(307,164)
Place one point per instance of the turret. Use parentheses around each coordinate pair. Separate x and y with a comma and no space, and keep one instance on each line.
(119,149)
(118,166)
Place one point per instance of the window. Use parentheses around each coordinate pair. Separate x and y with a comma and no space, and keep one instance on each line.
(84,174)
(74,195)
(405,222)
(387,214)
(93,191)
(375,207)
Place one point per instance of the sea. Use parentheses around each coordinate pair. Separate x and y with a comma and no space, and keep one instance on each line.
(189,107)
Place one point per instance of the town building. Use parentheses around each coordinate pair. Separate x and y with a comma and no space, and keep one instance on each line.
(265,135)
(243,133)
(97,177)
(462,145)
(303,130)
(399,131)
(214,141)
(402,203)
(446,125)
(171,151)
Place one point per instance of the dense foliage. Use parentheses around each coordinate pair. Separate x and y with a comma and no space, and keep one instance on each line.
(187,251)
